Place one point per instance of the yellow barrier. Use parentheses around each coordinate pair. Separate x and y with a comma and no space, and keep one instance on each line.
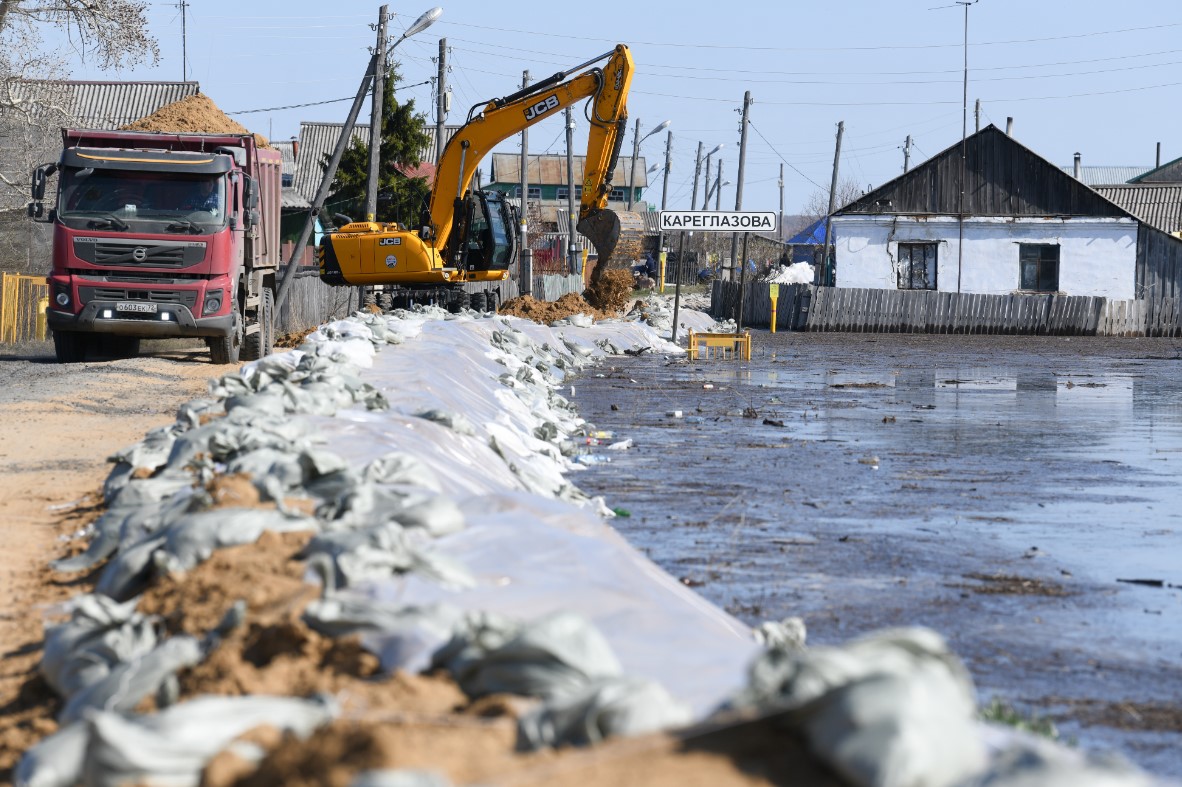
(22,307)
(720,345)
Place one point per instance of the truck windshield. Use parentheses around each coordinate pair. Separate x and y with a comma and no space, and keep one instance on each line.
(141,201)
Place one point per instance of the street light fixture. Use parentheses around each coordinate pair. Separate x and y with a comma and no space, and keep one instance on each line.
(425,20)
(636,140)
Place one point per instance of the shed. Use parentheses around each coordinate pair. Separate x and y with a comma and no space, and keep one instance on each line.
(1019,225)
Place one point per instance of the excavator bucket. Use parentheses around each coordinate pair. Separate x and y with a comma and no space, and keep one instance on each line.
(602,228)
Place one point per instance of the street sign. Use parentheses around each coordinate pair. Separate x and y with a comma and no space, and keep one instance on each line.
(718,221)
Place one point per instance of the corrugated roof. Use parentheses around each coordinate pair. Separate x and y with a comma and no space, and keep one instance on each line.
(1170,172)
(317,140)
(550,170)
(1105,176)
(107,105)
(286,149)
(1158,206)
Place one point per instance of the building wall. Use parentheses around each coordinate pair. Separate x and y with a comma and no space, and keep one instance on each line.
(1097,255)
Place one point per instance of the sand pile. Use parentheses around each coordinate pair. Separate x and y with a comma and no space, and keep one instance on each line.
(546,312)
(196,114)
(612,291)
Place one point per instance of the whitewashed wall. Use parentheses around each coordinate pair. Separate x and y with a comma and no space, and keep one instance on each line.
(1097,256)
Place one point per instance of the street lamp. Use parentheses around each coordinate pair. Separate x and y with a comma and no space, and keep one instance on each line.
(706,201)
(425,20)
(636,140)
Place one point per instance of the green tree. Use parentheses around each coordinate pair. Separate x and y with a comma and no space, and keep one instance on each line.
(404,139)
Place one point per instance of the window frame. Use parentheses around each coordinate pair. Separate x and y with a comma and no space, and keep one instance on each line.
(905,278)
(1037,254)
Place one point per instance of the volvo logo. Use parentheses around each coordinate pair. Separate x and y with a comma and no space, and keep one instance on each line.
(140,254)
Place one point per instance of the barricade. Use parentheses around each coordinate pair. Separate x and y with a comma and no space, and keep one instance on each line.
(733,346)
(22,307)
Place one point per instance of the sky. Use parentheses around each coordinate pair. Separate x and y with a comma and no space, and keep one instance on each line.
(1091,76)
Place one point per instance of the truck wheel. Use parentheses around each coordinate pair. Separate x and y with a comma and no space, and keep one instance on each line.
(260,344)
(226,349)
(479,302)
(459,301)
(70,347)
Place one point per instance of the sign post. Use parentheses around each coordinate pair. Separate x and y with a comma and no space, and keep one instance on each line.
(774,292)
(718,221)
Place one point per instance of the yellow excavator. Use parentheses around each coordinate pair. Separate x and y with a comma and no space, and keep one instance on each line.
(471,236)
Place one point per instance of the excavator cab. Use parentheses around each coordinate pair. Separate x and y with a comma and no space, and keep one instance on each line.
(486,234)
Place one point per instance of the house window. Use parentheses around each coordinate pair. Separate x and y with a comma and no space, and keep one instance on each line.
(287,179)
(917,266)
(564,192)
(535,192)
(1038,264)
(617,195)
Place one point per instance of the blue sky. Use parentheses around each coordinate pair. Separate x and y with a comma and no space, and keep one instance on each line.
(1091,76)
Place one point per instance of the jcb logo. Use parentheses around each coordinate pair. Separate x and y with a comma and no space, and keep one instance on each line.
(541,108)
(390,242)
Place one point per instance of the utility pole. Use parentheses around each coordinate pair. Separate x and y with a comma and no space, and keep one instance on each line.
(184,41)
(375,120)
(632,169)
(739,183)
(697,172)
(832,205)
(716,189)
(964,133)
(525,254)
(781,182)
(907,153)
(661,256)
(441,99)
(571,249)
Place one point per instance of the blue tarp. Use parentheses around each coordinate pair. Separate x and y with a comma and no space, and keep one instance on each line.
(813,233)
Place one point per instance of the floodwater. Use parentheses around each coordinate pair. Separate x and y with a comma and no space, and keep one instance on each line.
(995,488)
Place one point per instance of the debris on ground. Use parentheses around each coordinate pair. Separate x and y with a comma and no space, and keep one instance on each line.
(612,291)
(547,312)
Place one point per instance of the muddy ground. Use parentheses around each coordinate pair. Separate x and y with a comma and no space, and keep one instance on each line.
(995,488)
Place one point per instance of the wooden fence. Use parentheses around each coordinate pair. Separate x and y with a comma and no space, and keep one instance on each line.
(811,308)
(22,307)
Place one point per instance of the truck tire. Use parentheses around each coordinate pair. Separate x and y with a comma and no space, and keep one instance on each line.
(71,347)
(478,302)
(459,301)
(226,349)
(260,344)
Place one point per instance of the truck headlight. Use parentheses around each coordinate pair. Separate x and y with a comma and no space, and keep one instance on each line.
(62,299)
(213,301)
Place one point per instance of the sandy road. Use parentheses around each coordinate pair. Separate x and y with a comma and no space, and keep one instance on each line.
(58,423)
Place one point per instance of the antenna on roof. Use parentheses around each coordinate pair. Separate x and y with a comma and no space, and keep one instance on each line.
(181,4)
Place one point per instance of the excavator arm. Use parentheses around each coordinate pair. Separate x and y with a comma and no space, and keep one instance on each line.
(499,119)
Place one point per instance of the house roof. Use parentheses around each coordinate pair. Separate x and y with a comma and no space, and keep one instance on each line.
(317,140)
(546,169)
(1002,178)
(1170,172)
(1104,176)
(1158,205)
(106,105)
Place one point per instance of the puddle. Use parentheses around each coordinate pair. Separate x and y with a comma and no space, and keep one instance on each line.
(863,482)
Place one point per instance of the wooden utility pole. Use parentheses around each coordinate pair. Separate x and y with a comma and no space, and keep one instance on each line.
(826,261)
(632,167)
(525,253)
(440,100)
(661,256)
(572,248)
(681,245)
(375,120)
(907,153)
(739,177)
(781,183)
(697,172)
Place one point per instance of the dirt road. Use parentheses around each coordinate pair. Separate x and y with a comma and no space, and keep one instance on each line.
(60,423)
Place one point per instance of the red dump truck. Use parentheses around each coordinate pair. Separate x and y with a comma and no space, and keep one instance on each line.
(160,235)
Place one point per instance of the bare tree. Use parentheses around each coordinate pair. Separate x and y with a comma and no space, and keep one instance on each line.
(817,206)
(115,32)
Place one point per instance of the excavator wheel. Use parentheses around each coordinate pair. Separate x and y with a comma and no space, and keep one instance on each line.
(479,302)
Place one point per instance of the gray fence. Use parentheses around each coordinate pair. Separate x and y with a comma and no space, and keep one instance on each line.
(806,307)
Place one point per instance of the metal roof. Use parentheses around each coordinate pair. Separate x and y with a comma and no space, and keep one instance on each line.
(106,105)
(286,149)
(1159,206)
(1170,172)
(1105,176)
(317,140)
(546,169)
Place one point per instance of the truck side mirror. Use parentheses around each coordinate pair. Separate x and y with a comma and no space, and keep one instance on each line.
(35,210)
(250,193)
(40,178)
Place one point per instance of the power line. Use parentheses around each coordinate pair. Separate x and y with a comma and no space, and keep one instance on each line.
(316,103)
(786,161)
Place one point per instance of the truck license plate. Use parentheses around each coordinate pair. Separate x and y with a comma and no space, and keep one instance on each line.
(135,307)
